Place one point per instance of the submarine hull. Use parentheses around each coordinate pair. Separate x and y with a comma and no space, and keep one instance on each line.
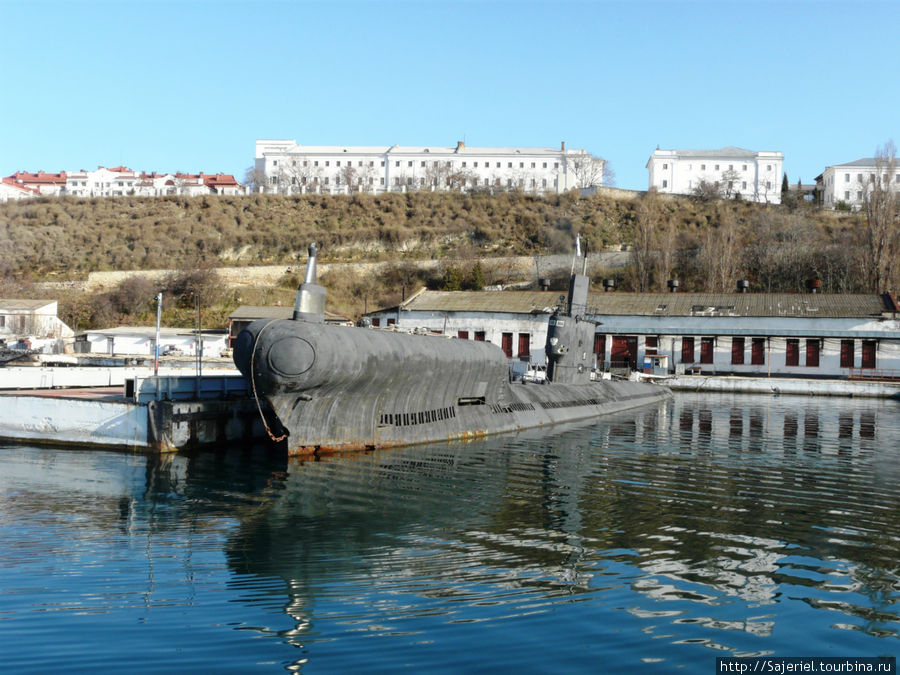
(337,388)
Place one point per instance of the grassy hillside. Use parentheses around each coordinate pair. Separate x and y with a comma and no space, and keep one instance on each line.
(706,244)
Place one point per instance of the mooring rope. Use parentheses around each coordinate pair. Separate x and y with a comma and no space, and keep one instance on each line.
(276,439)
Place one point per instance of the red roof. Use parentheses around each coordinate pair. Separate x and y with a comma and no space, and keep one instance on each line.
(39,178)
(219,180)
(12,183)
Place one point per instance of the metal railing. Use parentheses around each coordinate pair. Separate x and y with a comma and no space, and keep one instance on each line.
(874,374)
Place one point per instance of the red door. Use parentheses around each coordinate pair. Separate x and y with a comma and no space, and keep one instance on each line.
(812,353)
(600,347)
(868,354)
(624,351)
(479,336)
(758,352)
(687,350)
(737,351)
(706,350)
(792,353)
(462,334)
(524,344)
(846,353)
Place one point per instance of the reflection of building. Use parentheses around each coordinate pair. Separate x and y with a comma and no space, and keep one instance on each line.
(755,175)
(806,335)
(141,340)
(850,183)
(290,168)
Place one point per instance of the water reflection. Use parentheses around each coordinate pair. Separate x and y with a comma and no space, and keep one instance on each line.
(708,525)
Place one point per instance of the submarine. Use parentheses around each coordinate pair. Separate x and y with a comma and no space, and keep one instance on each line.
(341,388)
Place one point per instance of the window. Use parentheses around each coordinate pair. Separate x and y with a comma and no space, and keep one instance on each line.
(847,195)
(743,185)
(731,167)
(717,167)
(792,353)
(768,185)
(422,164)
(744,167)
(509,165)
(859,195)
(391,322)
(665,183)
(687,350)
(703,167)
(409,163)
(846,353)
(327,163)
(397,163)
(475,164)
(859,178)
(812,353)
(337,163)
(316,163)
(382,163)
(846,177)
(768,167)
(532,165)
(464,165)
(544,182)
(479,336)
(758,352)
(665,166)
(376,321)
(545,166)
(737,351)
(462,334)
(555,165)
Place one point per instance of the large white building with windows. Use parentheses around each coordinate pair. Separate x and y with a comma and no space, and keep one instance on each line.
(850,183)
(283,166)
(756,176)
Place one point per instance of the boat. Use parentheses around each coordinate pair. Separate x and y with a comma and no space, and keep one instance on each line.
(335,388)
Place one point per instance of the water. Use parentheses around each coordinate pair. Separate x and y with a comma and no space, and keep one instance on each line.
(709,526)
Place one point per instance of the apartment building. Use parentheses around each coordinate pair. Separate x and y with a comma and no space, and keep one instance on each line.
(283,166)
(10,191)
(756,176)
(41,183)
(849,184)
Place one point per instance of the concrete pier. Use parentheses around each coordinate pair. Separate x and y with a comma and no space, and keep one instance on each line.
(781,385)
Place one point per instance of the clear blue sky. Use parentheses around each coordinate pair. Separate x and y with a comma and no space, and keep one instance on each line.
(189,85)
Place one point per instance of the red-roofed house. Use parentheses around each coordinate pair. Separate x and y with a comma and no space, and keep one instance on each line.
(222,184)
(47,184)
(12,191)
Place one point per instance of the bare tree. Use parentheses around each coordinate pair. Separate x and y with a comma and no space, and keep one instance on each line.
(642,253)
(706,190)
(590,171)
(255,179)
(720,254)
(882,210)
(729,178)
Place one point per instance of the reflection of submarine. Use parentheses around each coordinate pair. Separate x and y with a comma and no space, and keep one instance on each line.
(339,388)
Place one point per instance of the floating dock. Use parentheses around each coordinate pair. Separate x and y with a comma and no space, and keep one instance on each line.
(146,414)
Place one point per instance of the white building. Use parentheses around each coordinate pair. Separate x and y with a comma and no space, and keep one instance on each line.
(44,184)
(121,181)
(756,176)
(140,340)
(33,323)
(771,334)
(850,183)
(288,168)
(11,191)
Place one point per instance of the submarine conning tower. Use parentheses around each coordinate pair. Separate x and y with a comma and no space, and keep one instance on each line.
(570,335)
(310,304)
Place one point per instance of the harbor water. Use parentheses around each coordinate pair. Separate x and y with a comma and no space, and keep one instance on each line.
(653,541)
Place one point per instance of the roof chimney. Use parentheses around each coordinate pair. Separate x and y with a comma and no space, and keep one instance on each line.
(460,145)
(562,146)
(743,286)
(673,285)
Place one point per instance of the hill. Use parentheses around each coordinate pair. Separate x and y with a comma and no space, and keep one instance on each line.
(708,245)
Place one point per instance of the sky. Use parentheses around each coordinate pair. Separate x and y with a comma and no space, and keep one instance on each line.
(190,85)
